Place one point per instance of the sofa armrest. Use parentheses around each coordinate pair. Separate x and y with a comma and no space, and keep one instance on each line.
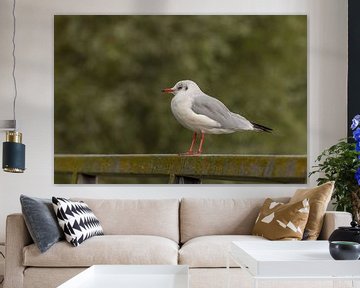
(333,220)
(17,237)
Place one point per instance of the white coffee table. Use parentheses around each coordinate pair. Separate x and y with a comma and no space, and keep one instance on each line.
(131,276)
(292,260)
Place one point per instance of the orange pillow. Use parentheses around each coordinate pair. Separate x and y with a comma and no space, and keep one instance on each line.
(319,198)
(279,221)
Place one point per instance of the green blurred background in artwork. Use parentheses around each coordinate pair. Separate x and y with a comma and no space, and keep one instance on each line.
(109,72)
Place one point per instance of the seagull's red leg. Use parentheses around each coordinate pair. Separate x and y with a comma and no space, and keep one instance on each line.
(201,142)
(191,152)
(192,143)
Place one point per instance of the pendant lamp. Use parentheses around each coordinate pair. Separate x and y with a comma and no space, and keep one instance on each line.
(13,150)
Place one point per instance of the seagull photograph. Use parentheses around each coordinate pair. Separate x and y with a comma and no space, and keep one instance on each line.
(204,114)
(180,99)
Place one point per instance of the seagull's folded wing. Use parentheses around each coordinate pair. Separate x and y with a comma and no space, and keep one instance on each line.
(217,111)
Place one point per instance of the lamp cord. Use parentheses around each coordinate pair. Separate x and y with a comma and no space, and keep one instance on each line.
(14,61)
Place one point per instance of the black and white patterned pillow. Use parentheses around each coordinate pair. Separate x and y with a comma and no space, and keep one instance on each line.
(77,220)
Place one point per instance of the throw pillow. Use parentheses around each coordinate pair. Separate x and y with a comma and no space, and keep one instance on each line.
(41,222)
(279,221)
(77,220)
(319,198)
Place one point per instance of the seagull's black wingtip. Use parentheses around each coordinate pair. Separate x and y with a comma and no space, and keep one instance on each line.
(261,128)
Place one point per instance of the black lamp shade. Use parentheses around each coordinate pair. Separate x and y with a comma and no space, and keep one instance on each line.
(13,157)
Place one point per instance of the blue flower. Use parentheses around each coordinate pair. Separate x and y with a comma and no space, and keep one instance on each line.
(355,122)
(356,134)
(357,176)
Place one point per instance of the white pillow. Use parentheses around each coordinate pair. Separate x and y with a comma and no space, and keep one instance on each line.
(76,220)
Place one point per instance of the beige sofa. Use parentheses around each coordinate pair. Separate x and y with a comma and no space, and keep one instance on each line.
(194,232)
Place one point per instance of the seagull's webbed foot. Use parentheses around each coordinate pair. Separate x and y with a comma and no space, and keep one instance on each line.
(191,153)
(188,153)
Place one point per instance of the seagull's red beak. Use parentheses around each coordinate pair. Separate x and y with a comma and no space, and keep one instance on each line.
(168,90)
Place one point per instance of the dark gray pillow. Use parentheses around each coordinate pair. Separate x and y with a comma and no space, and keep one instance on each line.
(41,221)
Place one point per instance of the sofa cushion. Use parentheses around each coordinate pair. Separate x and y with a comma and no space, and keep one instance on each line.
(107,249)
(319,198)
(158,217)
(279,221)
(35,277)
(211,251)
(200,217)
(41,221)
(77,220)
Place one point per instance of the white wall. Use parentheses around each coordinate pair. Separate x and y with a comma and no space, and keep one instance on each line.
(326,80)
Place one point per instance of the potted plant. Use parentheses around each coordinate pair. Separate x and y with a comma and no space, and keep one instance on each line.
(341,163)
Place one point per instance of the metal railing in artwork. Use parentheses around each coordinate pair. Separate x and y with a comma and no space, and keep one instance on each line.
(87,169)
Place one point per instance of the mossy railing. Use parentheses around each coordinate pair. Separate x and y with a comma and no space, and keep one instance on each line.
(85,169)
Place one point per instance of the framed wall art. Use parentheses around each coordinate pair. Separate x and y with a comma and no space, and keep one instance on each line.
(180,99)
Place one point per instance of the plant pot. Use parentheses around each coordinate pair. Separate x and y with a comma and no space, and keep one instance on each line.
(344,233)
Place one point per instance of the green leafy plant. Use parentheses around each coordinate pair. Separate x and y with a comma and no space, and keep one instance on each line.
(341,163)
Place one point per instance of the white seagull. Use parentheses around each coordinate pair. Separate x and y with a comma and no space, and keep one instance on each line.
(204,114)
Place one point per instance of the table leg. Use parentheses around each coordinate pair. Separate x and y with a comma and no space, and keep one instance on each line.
(255,283)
